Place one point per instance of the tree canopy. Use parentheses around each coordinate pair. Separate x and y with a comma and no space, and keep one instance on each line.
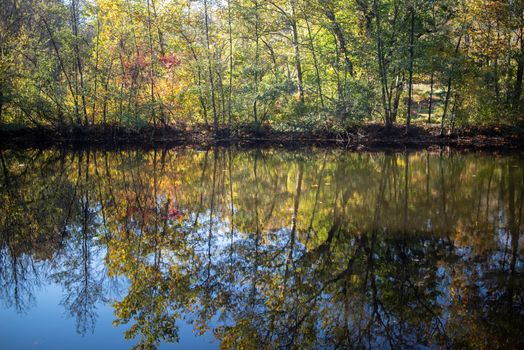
(289,64)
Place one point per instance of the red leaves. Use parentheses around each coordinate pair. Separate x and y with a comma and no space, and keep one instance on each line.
(135,64)
(141,61)
(174,214)
(169,60)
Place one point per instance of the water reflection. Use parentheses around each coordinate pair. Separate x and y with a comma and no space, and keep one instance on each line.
(271,249)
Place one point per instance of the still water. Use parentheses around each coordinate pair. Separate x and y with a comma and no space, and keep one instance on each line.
(260,249)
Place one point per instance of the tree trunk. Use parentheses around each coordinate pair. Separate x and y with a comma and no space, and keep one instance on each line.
(198,79)
(296,49)
(410,86)
(337,30)
(430,97)
(298,64)
(210,66)
(160,34)
(106,94)
(162,53)
(448,92)
(520,72)
(382,68)
(257,57)
(446,104)
(230,90)
(78,60)
(399,88)
(96,68)
(315,62)
(62,67)
(151,65)
(454,113)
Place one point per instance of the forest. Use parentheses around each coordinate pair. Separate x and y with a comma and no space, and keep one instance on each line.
(261,174)
(286,65)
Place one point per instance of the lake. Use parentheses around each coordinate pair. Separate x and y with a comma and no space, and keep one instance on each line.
(260,248)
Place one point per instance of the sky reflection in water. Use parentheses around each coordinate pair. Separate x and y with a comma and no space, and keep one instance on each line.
(260,249)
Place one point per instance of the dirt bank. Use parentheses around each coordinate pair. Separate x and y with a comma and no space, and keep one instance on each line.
(365,137)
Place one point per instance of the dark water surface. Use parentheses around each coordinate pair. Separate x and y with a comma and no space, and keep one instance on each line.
(260,249)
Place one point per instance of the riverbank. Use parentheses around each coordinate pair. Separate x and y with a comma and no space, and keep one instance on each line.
(361,137)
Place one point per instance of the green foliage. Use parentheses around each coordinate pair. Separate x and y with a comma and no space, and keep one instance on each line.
(153,62)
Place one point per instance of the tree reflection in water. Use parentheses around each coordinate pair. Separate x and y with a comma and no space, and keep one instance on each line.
(272,249)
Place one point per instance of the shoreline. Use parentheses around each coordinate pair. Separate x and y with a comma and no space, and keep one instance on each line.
(362,137)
